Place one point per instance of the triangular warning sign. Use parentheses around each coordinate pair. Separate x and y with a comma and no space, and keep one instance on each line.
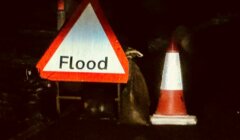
(86,50)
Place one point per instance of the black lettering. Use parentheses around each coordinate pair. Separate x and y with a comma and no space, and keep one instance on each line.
(81,65)
(70,65)
(91,64)
(103,64)
(61,61)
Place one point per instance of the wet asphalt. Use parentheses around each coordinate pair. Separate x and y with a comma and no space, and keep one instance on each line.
(72,126)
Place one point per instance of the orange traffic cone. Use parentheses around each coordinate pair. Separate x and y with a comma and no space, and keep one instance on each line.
(171,108)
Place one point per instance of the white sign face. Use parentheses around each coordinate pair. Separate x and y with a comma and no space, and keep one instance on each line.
(86,48)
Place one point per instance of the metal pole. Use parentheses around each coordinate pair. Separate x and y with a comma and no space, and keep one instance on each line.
(57,98)
(60,14)
(118,98)
(60,22)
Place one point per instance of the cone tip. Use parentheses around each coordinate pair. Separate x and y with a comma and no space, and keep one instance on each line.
(172,47)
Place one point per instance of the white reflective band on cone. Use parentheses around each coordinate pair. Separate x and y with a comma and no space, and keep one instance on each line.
(172,77)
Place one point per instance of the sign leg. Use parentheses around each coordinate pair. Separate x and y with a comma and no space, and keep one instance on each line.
(57,98)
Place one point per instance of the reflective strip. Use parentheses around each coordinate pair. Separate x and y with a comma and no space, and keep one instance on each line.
(60,5)
(172,77)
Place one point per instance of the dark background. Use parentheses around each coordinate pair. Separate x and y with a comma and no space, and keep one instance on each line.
(135,21)
(212,80)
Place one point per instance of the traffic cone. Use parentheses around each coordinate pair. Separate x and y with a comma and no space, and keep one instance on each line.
(171,108)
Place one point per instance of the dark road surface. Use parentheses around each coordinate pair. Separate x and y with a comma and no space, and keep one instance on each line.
(72,127)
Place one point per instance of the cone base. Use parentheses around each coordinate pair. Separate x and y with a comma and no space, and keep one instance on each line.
(171,102)
(173,120)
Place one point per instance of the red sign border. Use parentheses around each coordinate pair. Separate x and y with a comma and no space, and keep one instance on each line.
(84,76)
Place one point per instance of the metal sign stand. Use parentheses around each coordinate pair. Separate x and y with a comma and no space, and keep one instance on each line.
(64,97)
